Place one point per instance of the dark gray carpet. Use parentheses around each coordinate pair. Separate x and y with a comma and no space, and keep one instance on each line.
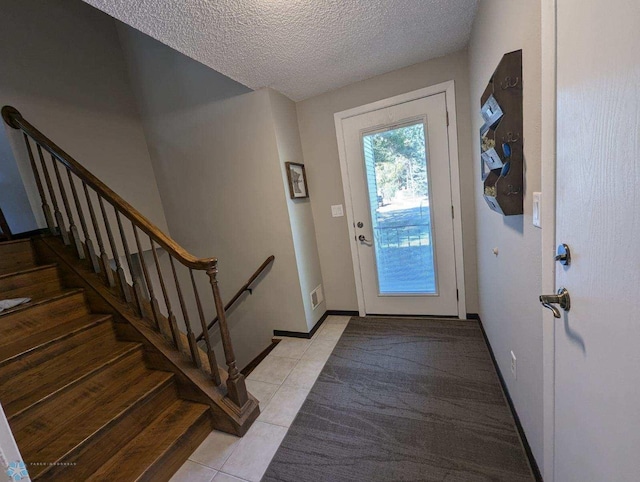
(406,400)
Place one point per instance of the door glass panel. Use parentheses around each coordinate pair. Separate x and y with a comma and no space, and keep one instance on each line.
(398,185)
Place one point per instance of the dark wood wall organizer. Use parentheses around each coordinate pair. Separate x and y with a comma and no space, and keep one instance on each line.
(501,142)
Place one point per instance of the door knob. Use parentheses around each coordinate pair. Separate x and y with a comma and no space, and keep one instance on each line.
(562,299)
(363,239)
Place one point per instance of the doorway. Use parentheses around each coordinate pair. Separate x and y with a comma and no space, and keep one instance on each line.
(400,182)
(593,379)
(591,358)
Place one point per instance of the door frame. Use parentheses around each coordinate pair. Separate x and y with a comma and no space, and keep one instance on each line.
(548,222)
(448,88)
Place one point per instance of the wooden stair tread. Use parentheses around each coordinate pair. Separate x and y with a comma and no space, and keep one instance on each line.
(47,299)
(88,456)
(14,241)
(56,349)
(39,302)
(32,377)
(56,427)
(36,283)
(51,311)
(16,255)
(180,428)
(28,335)
(32,269)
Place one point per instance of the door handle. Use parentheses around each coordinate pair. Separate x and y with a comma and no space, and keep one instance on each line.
(562,299)
(363,239)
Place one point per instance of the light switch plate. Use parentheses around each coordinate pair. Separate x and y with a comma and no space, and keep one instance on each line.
(537,199)
(337,211)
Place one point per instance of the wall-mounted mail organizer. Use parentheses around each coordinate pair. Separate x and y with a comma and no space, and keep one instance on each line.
(501,143)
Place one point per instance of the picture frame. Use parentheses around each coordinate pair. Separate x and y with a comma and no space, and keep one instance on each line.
(297,178)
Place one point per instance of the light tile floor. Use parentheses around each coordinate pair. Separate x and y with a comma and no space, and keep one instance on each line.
(281,384)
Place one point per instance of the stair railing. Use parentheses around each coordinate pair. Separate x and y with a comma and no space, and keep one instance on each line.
(131,227)
(246,287)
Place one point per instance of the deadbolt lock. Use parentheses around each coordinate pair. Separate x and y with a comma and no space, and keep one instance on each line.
(563,255)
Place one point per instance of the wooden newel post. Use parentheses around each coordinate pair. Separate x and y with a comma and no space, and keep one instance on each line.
(236,388)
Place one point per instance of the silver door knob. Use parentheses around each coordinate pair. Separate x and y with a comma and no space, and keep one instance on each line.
(562,299)
(363,239)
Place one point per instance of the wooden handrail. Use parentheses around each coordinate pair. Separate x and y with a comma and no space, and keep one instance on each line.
(14,119)
(244,288)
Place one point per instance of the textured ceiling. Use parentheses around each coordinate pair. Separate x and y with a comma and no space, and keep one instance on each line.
(301,47)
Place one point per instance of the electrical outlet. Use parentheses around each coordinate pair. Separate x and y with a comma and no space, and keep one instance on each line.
(514,371)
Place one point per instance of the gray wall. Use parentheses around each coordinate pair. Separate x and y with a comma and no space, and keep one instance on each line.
(509,284)
(317,130)
(62,67)
(14,201)
(218,165)
(285,121)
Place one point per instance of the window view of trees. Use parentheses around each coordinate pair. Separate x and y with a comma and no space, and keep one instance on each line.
(401,217)
(400,163)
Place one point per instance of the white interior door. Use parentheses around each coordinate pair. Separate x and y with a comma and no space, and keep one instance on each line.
(399,184)
(597,343)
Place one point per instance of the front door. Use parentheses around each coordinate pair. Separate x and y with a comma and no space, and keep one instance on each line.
(399,182)
(597,343)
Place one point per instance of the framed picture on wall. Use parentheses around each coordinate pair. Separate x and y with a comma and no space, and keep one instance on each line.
(297,180)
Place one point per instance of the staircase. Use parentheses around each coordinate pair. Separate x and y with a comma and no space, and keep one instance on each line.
(80,400)
(109,372)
